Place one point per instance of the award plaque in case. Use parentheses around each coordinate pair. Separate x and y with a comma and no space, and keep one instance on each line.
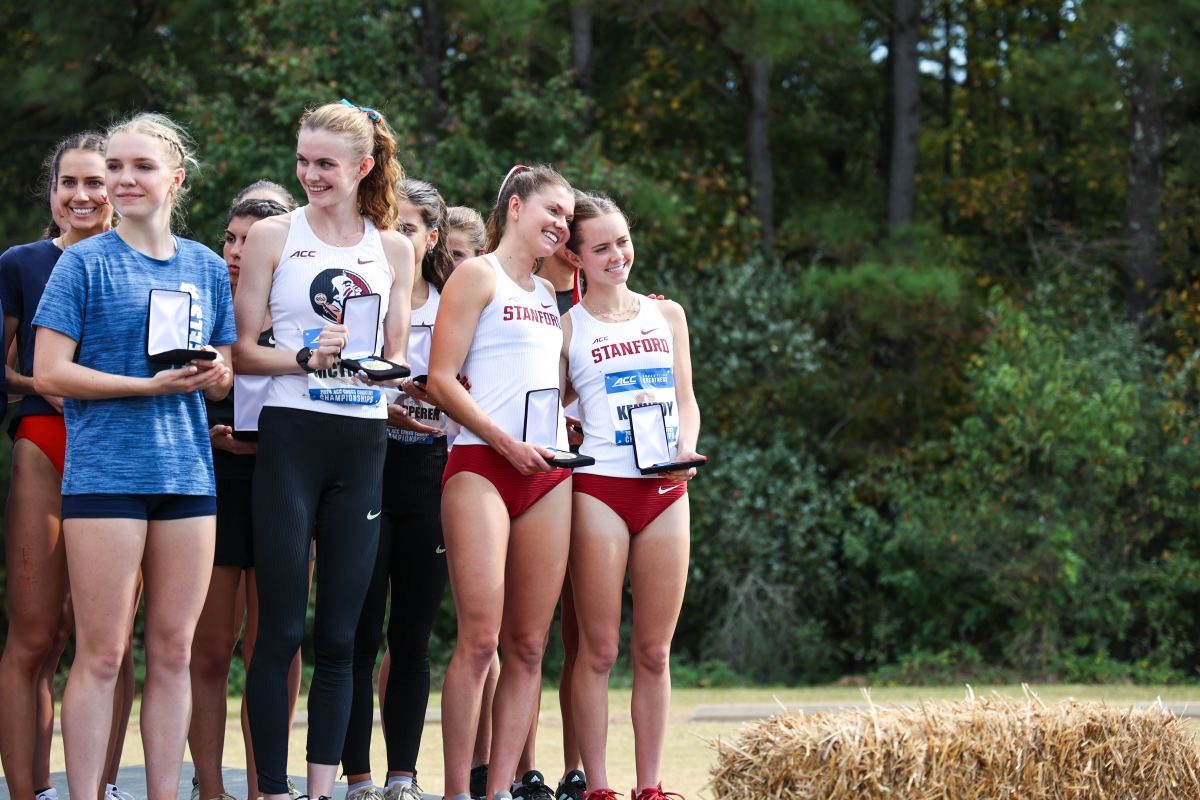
(360,315)
(543,412)
(168,326)
(651,447)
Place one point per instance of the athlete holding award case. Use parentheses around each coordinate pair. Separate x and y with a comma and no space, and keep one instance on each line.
(168,326)
(360,315)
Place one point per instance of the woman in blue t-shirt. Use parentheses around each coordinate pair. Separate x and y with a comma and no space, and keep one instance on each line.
(138,488)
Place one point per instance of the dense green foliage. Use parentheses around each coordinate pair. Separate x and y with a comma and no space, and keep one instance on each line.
(965,447)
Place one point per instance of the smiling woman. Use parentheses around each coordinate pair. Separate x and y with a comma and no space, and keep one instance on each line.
(37,564)
(122,413)
(505,509)
(321,440)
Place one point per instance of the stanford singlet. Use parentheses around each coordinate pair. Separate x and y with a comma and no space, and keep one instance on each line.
(419,339)
(616,366)
(515,351)
(311,283)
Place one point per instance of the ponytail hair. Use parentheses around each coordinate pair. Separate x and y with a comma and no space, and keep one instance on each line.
(370,135)
(523,182)
(437,263)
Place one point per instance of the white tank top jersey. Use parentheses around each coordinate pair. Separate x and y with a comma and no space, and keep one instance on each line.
(311,283)
(515,351)
(419,339)
(616,366)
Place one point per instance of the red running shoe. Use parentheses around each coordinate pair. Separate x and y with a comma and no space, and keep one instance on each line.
(601,794)
(653,793)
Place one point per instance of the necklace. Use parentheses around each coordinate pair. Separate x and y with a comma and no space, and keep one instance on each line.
(616,315)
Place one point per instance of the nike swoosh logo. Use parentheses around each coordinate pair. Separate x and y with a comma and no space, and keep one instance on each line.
(440,549)
(373,515)
(546,305)
(671,488)
(366,261)
(271,341)
(647,333)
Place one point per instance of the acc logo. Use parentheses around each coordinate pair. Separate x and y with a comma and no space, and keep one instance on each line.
(628,380)
(329,291)
(304,254)
(599,339)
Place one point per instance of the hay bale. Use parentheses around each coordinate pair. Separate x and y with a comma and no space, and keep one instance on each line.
(987,748)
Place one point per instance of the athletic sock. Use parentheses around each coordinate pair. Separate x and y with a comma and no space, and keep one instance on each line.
(502,795)
(392,780)
(354,787)
(463,796)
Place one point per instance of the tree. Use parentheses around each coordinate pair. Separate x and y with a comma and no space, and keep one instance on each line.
(906,115)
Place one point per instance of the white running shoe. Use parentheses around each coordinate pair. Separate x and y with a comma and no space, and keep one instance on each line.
(293,792)
(116,794)
(403,791)
(365,793)
(47,794)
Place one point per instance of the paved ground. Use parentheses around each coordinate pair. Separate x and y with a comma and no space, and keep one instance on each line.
(132,779)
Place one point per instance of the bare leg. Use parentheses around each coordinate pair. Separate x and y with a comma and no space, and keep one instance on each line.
(177,569)
(475,525)
(45,702)
(599,553)
(106,554)
(37,585)
(122,700)
(570,640)
(658,565)
(483,734)
(534,567)
(212,652)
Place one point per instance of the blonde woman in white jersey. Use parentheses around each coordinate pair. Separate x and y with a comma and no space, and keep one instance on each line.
(623,350)
(322,439)
(505,510)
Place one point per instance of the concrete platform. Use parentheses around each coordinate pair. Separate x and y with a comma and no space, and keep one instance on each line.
(132,779)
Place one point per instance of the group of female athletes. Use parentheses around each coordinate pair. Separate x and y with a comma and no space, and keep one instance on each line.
(133,480)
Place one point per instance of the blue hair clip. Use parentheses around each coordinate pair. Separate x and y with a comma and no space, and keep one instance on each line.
(371,113)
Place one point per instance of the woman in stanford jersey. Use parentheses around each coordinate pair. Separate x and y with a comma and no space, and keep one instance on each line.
(622,519)
(321,434)
(125,417)
(505,510)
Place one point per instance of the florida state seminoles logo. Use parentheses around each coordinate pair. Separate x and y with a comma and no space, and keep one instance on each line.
(330,289)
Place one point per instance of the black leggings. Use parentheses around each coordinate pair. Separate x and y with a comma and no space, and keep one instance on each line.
(413,559)
(317,474)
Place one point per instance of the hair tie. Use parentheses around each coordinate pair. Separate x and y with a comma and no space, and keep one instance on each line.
(516,168)
(371,113)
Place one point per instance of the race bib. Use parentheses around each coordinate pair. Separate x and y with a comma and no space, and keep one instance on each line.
(337,385)
(640,387)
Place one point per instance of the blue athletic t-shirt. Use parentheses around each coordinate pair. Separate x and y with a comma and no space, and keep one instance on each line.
(24,270)
(99,295)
